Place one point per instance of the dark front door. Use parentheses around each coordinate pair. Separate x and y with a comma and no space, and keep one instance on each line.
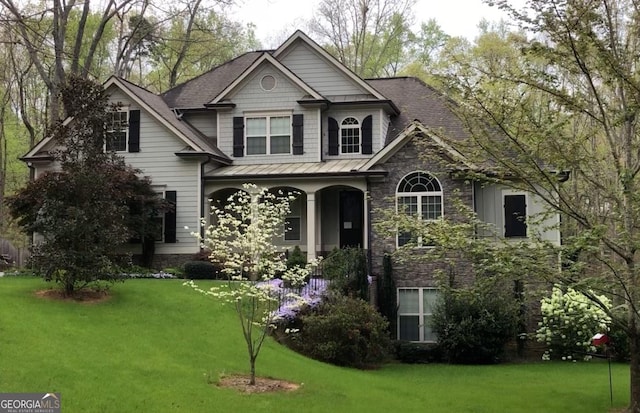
(351,222)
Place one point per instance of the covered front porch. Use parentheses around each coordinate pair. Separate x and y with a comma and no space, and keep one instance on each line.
(325,215)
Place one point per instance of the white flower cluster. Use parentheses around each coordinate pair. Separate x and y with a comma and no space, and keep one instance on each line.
(569,321)
(241,243)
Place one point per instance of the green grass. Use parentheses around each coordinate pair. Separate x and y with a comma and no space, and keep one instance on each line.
(156,345)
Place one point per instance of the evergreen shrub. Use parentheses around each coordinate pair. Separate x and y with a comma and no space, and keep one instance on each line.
(344,331)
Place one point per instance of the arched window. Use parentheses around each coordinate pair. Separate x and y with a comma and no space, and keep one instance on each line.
(419,194)
(350,135)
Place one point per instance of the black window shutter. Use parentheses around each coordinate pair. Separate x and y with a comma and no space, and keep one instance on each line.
(333,136)
(238,136)
(367,135)
(134,131)
(170,218)
(515,215)
(298,134)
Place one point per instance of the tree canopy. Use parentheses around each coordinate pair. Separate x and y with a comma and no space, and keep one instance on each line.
(83,212)
(560,96)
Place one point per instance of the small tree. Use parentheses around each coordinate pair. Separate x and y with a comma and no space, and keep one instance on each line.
(92,205)
(241,244)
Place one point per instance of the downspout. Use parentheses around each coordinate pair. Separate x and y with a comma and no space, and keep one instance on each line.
(369,231)
(202,198)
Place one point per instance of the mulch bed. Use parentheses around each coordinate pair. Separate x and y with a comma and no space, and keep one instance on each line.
(86,295)
(263,384)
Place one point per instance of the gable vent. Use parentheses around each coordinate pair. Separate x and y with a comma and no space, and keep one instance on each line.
(268,82)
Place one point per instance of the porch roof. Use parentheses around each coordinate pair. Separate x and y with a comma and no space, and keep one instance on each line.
(339,167)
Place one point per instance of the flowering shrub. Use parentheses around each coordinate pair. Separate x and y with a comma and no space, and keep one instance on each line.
(569,321)
(292,301)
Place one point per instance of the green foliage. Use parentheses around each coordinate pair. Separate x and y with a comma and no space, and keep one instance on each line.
(417,353)
(347,270)
(182,51)
(569,321)
(474,324)
(202,270)
(344,331)
(619,344)
(371,38)
(296,258)
(387,294)
(90,207)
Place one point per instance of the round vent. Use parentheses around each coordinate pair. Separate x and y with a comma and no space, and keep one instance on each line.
(268,82)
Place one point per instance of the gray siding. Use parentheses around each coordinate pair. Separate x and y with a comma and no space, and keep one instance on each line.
(157,160)
(489,205)
(252,99)
(317,72)
(204,122)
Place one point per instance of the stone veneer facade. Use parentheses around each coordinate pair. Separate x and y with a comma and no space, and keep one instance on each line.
(410,158)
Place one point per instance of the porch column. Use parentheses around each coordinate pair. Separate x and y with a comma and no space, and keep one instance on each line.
(311,225)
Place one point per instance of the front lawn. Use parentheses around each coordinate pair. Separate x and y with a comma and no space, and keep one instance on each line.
(155,346)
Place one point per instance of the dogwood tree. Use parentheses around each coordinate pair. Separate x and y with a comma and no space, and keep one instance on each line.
(241,240)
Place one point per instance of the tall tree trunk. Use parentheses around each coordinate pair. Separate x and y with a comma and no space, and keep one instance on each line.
(173,75)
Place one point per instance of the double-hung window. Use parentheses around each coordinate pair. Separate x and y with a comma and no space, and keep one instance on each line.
(117,131)
(415,312)
(268,135)
(419,194)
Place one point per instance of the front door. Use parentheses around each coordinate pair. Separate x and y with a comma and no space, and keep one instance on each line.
(351,222)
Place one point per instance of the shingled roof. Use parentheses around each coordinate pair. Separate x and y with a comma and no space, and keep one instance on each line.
(419,101)
(160,107)
(194,93)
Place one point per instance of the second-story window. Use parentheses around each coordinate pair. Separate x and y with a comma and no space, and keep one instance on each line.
(350,136)
(419,194)
(117,129)
(268,135)
(122,131)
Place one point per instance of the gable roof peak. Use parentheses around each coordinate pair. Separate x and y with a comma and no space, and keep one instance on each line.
(299,35)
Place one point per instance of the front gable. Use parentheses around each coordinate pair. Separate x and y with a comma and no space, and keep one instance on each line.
(226,96)
(322,71)
(321,74)
(269,118)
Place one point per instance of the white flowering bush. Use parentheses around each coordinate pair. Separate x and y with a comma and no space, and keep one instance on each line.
(569,321)
(241,244)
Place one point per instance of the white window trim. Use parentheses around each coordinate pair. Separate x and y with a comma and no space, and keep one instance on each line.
(344,127)
(268,116)
(419,212)
(421,314)
(508,192)
(126,130)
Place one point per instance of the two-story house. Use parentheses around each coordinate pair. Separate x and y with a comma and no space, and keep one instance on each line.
(297,119)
